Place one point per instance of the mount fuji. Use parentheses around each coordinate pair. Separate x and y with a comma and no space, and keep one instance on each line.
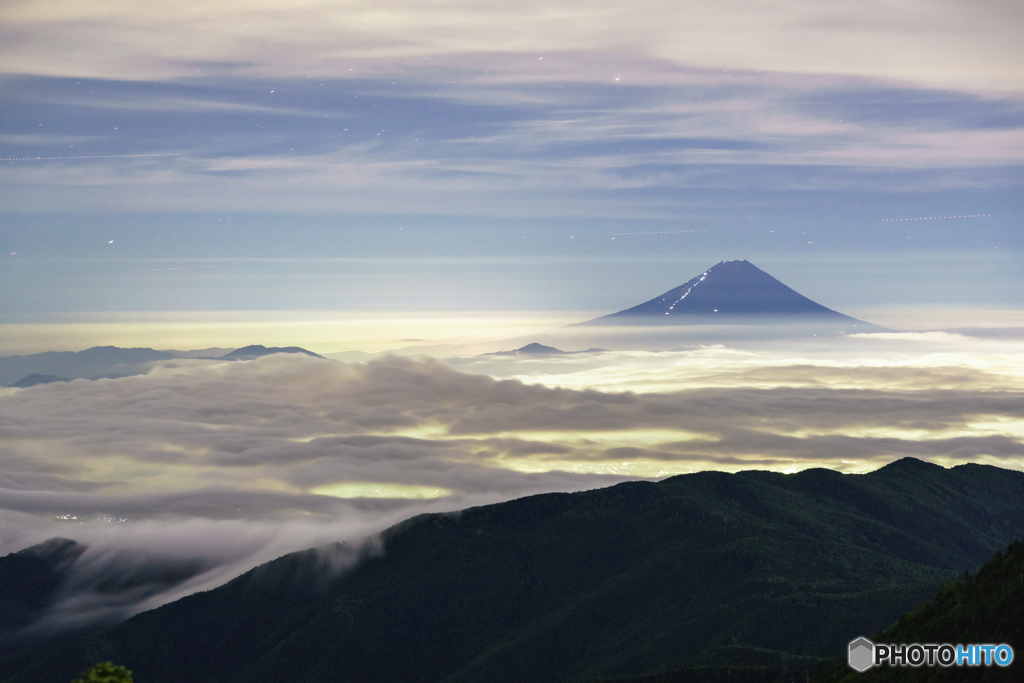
(734,292)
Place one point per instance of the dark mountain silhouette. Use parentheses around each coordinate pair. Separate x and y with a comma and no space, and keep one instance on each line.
(732,292)
(754,576)
(35,378)
(986,607)
(256,350)
(52,591)
(29,580)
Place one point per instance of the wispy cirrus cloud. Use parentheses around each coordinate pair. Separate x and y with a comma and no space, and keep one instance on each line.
(782,127)
(952,42)
(524,148)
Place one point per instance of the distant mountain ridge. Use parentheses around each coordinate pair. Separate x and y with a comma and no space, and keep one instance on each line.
(101,362)
(731,292)
(754,576)
(257,350)
(35,378)
(91,363)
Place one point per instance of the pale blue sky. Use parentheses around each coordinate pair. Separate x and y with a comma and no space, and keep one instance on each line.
(353,175)
(440,174)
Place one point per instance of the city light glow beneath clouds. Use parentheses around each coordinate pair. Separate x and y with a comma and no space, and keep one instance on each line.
(448,180)
(286,434)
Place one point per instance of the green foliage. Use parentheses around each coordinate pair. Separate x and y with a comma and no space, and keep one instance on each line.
(986,607)
(105,672)
(753,576)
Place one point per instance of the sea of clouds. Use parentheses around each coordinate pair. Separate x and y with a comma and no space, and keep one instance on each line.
(225,465)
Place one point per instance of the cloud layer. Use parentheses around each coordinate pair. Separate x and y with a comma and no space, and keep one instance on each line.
(950,42)
(536,144)
(266,439)
(221,466)
(481,129)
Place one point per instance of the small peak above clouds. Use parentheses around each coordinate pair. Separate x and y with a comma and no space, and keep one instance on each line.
(257,350)
(536,349)
(35,378)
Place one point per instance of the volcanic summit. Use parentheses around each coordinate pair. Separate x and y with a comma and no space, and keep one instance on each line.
(734,292)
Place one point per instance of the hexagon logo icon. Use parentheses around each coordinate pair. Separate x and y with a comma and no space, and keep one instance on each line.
(861,655)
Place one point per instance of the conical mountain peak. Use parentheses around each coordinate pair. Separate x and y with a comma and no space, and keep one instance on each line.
(731,292)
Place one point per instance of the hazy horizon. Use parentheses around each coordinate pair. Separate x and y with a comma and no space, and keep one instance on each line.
(453,179)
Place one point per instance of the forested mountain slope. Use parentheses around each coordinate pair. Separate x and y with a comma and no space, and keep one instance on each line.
(748,574)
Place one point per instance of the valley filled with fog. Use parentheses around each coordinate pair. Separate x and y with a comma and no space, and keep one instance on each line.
(226,465)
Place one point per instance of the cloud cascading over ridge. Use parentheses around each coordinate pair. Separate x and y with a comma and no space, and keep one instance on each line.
(224,465)
(249,155)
